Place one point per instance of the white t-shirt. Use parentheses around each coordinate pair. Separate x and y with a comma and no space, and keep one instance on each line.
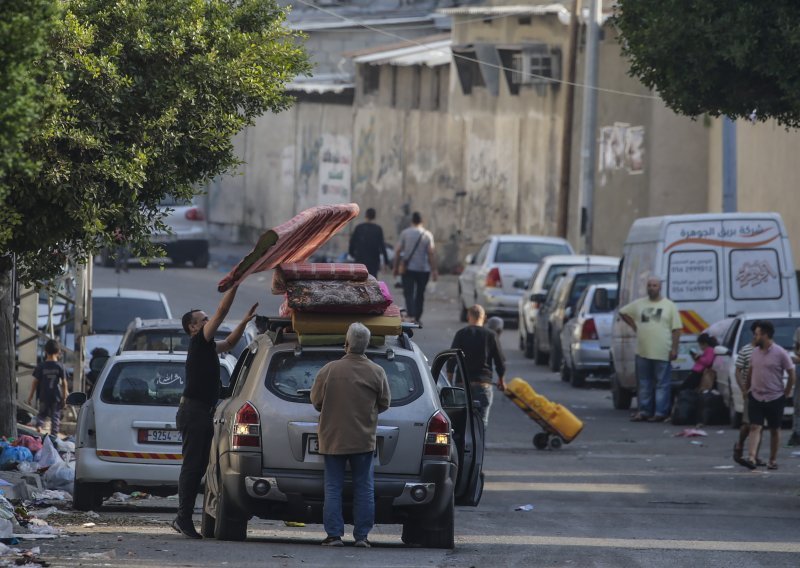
(420,260)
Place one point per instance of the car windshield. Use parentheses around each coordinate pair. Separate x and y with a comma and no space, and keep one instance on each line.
(583,281)
(784,332)
(291,377)
(112,315)
(173,340)
(151,383)
(522,252)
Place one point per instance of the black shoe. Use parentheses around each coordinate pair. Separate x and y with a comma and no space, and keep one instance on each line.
(332,541)
(185,526)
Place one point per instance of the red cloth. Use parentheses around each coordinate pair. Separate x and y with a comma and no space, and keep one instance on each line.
(293,241)
(316,271)
(392,311)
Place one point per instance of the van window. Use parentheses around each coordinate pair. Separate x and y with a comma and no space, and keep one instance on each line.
(693,276)
(151,383)
(289,374)
(527,253)
(755,274)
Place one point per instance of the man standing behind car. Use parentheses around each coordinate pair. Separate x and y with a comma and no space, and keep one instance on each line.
(349,394)
(367,246)
(200,396)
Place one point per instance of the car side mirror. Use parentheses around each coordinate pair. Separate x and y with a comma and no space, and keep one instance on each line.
(96,364)
(721,350)
(453,397)
(568,313)
(600,300)
(468,259)
(76,398)
(538,298)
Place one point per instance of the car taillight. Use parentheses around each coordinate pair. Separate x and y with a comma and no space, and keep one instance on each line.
(195,214)
(589,330)
(247,427)
(437,438)
(493,279)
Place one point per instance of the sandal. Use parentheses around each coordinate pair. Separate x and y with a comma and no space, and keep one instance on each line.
(746,462)
(760,462)
(639,417)
(772,465)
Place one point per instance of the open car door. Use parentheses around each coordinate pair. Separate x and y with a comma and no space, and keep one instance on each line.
(466,423)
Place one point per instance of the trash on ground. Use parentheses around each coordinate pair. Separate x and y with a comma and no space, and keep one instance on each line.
(119,496)
(723,467)
(89,525)
(39,526)
(696,443)
(282,556)
(691,433)
(108,554)
(524,508)
(52,495)
(44,513)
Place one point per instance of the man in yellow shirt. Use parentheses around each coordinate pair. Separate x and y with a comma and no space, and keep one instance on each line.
(657,324)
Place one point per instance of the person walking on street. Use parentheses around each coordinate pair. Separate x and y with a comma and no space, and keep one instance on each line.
(415,260)
(742,368)
(657,324)
(766,393)
(200,396)
(50,387)
(367,246)
(349,394)
(482,351)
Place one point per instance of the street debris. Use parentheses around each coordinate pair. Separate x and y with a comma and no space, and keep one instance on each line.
(282,556)
(723,467)
(528,507)
(107,555)
(691,433)
(88,525)
(696,443)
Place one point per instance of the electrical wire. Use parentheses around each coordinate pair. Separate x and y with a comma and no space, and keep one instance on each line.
(356,23)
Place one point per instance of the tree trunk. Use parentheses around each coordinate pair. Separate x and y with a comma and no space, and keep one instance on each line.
(8,377)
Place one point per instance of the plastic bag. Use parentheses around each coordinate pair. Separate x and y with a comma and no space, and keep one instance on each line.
(6,529)
(59,477)
(49,455)
(6,509)
(15,454)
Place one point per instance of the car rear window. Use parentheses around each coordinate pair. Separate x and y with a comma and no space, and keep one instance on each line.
(289,376)
(784,332)
(149,383)
(527,253)
(112,315)
(610,307)
(172,340)
(583,281)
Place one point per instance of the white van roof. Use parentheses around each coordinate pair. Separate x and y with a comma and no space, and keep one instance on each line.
(652,229)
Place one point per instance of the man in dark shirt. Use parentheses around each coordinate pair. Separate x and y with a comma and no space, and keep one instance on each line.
(200,396)
(367,246)
(481,351)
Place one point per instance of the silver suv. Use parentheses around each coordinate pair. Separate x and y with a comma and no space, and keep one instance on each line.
(265,459)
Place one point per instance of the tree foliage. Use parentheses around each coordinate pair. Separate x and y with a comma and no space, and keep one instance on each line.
(152,94)
(719,58)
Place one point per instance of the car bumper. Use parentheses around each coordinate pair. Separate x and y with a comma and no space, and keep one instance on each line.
(90,468)
(185,247)
(499,303)
(590,356)
(299,495)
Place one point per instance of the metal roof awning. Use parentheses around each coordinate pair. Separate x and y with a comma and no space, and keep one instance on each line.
(308,26)
(322,83)
(511,10)
(432,54)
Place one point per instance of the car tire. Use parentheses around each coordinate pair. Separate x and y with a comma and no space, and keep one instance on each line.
(619,396)
(228,525)
(555,356)
(87,496)
(577,378)
(413,534)
(566,372)
(201,260)
(528,345)
(444,536)
(538,357)
(522,340)
(207,522)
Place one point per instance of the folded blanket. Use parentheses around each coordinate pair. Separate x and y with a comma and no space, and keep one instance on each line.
(336,296)
(307,323)
(293,241)
(316,271)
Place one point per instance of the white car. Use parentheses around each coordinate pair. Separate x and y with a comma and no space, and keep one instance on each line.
(126,436)
(536,290)
(489,276)
(737,336)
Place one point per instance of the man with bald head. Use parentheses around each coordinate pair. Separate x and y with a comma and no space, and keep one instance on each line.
(657,324)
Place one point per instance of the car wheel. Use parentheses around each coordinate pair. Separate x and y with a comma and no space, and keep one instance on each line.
(87,496)
(555,356)
(444,536)
(521,339)
(412,535)
(228,525)
(528,346)
(538,357)
(201,260)
(577,378)
(566,373)
(207,522)
(620,397)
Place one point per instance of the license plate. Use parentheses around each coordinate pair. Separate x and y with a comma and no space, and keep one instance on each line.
(313,445)
(164,436)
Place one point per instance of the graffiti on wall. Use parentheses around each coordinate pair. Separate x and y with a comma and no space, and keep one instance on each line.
(365,153)
(621,148)
(334,170)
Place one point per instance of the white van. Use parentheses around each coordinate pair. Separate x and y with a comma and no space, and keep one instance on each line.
(713,266)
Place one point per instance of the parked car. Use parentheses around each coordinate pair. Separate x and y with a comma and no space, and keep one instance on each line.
(536,290)
(126,437)
(114,308)
(560,307)
(265,461)
(737,336)
(168,335)
(489,276)
(187,238)
(586,337)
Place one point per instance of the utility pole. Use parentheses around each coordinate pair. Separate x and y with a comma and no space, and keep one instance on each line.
(569,115)
(589,127)
(729,181)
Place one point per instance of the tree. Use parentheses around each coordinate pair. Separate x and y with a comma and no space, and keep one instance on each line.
(153,93)
(716,58)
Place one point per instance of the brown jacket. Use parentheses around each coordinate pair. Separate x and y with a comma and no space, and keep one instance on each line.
(349,393)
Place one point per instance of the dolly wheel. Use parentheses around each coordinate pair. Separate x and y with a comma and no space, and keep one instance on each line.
(555,443)
(540,440)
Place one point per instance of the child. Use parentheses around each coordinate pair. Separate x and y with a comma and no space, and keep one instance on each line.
(702,361)
(50,386)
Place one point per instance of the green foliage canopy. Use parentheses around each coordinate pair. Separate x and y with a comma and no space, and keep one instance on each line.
(153,92)
(719,58)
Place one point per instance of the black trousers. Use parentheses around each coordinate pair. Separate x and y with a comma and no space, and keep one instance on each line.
(414,282)
(194,420)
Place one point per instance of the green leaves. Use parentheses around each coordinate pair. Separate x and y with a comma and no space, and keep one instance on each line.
(717,58)
(149,95)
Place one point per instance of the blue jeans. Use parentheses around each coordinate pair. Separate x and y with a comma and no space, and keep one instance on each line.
(654,376)
(484,394)
(362,469)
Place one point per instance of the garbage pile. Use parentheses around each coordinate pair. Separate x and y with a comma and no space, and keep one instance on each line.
(51,458)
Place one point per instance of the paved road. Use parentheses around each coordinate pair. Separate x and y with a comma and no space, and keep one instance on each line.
(621,495)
